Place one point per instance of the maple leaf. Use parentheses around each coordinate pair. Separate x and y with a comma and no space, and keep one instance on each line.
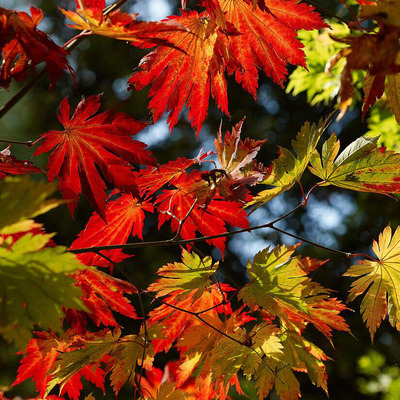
(102,294)
(299,355)
(22,46)
(268,38)
(191,214)
(32,274)
(153,178)
(276,282)
(21,199)
(193,274)
(120,354)
(380,281)
(287,169)
(176,322)
(89,143)
(119,25)
(124,217)
(361,166)
(10,165)
(41,355)
(187,73)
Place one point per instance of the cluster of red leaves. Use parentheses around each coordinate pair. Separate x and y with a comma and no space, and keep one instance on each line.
(230,36)
(23,46)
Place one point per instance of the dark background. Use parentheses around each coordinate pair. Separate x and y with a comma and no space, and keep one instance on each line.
(340,219)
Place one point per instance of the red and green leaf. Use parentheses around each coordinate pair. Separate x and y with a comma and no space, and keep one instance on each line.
(361,166)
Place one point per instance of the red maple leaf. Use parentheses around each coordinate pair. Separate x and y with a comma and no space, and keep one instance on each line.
(42,353)
(191,207)
(9,165)
(268,39)
(102,294)
(22,46)
(188,72)
(89,143)
(124,216)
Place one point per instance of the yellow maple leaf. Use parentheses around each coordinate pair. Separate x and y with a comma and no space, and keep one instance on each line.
(380,280)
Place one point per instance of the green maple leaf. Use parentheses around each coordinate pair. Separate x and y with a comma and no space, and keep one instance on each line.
(276,282)
(193,273)
(34,287)
(287,169)
(297,354)
(380,281)
(22,198)
(361,166)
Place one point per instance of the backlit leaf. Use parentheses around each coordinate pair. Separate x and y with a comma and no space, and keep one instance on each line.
(89,143)
(34,278)
(192,274)
(361,166)
(287,169)
(379,280)
(22,45)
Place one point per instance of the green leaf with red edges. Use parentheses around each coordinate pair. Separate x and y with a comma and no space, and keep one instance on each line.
(189,210)
(23,46)
(361,166)
(192,274)
(279,285)
(124,217)
(91,142)
(120,355)
(268,37)
(276,282)
(102,295)
(187,73)
(287,169)
(380,281)
(41,355)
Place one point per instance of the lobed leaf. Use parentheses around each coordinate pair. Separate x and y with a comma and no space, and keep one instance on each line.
(34,278)
(192,275)
(89,143)
(361,166)
(380,281)
(22,46)
(287,169)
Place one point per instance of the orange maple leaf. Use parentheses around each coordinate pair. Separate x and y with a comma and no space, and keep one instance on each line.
(188,72)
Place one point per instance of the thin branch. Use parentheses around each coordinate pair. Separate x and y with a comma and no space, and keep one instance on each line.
(170,242)
(328,12)
(28,144)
